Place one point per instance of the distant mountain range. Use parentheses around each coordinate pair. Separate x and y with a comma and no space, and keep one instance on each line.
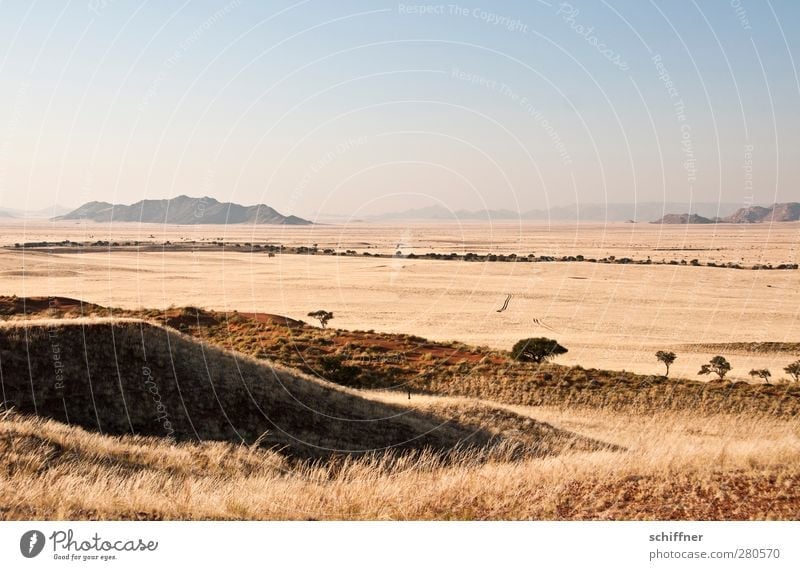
(183,210)
(613,212)
(441,213)
(787,212)
(56,210)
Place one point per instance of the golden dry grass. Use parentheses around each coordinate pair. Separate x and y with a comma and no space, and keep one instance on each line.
(576,463)
(675,466)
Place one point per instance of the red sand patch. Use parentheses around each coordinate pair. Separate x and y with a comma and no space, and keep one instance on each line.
(273,319)
(33,305)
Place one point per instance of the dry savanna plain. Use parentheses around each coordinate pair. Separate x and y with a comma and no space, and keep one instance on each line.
(408,405)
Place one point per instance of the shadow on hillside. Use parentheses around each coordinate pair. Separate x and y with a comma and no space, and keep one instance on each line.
(138,378)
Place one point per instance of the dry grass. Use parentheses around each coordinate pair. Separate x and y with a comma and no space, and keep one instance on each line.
(372,360)
(575,452)
(674,467)
(136,377)
(403,362)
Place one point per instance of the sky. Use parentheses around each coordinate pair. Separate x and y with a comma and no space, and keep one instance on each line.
(361,107)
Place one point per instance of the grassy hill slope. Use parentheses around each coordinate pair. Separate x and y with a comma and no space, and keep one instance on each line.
(134,377)
(399,362)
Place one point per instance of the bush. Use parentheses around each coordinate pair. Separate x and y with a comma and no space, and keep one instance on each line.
(793,370)
(666,358)
(762,373)
(536,349)
(322,316)
(335,370)
(718,365)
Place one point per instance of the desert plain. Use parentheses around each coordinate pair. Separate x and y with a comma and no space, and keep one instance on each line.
(177,389)
(609,315)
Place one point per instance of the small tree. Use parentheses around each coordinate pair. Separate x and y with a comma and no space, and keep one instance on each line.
(793,370)
(762,373)
(536,349)
(322,316)
(718,365)
(667,358)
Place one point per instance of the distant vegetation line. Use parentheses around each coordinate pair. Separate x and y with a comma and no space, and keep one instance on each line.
(270,249)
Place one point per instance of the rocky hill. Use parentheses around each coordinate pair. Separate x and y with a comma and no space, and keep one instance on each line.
(684,219)
(182,210)
(786,212)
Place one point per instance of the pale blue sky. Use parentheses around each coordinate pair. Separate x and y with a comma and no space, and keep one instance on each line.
(359,107)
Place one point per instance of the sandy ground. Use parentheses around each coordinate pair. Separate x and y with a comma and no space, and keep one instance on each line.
(609,316)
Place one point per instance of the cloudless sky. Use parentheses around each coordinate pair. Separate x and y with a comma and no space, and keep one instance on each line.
(357,107)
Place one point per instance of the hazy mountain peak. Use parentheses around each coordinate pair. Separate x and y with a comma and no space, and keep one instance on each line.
(182,210)
(786,212)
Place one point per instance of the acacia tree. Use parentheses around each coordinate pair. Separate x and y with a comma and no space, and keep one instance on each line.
(667,358)
(322,316)
(762,373)
(793,370)
(718,365)
(536,349)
